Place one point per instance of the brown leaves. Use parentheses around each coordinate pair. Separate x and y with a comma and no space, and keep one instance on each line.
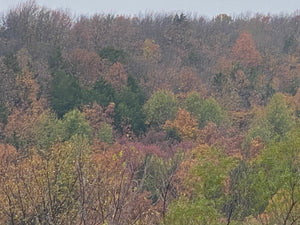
(87,66)
(188,81)
(244,50)
(28,87)
(117,195)
(117,76)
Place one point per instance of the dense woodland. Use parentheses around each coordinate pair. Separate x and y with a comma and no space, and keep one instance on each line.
(166,119)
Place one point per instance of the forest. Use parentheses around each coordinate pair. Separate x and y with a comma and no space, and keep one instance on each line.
(163,119)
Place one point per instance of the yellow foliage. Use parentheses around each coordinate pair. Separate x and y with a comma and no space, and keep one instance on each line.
(151,50)
(185,124)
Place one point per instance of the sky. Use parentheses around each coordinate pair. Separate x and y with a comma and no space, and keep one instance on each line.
(208,8)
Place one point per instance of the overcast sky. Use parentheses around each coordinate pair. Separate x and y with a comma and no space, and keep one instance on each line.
(208,8)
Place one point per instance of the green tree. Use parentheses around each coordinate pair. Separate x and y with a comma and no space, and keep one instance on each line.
(3,114)
(102,92)
(211,111)
(129,104)
(159,177)
(106,133)
(279,164)
(113,55)
(273,122)
(48,130)
(190,212)
(247,193)
(279,115)
(66,93)
(11,62)
(74,123)
(290,44)
(161,106)
(55,59)
(204,111)
(204,175)
(193,104)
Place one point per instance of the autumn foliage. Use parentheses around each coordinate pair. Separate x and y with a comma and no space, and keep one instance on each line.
(156,119)
(244,50)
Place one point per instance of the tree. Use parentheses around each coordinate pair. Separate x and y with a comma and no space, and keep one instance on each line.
(203,175)
(290,44)
(161,106)
(113,55)
(74,123)
(106,133)
(47,131)
(54,180)
(279,115)
(271,123)
(151,50)
(185,125)
(188,81)
(129,104)
(158,177)
(247,193)
(114,194)
(85,65)
(193,104)
(116,76)
(21,122)
(244,50)
(279,164)
(211,112)
(102,92)
(204,110)
(66,93)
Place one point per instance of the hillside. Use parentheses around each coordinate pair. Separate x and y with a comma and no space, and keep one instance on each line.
(159,119)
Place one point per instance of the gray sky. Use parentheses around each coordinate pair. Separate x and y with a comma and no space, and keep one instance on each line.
(134,7)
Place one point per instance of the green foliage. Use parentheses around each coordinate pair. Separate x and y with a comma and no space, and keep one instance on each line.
(160,172)
(279,165)
(161,106)
(193,103)
(106,133)
(172,134)
(129,104)
(66,93)
(204,111)
(193,58)
(184,211)
(66,162)
(290,44)
(3,114)
(273,124)
(279,115)
(206,178)
(259,128)
(270,184)
(113,55)
(213,167)
(219,80)
(211,111)
(102,92)
(246,194)
(11,62)
(74,124)
(55,60)
(48,130)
